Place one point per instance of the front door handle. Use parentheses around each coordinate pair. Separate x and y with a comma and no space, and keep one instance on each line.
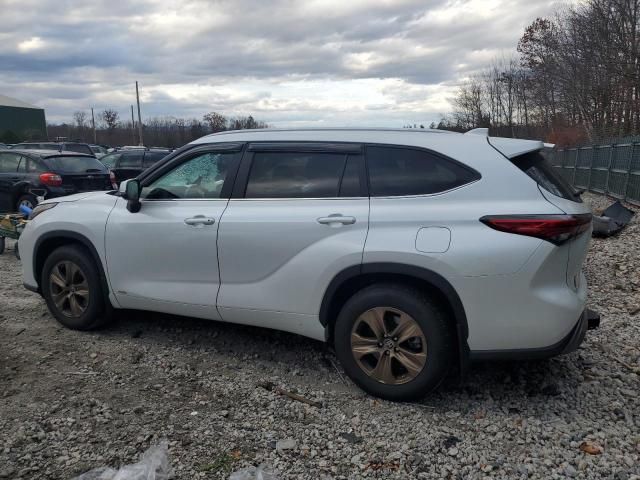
(199,220)
(337,219)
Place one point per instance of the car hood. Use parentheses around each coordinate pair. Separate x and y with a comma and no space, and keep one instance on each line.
(75,197)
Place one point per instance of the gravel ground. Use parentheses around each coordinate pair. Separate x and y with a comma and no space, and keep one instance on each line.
(73,401)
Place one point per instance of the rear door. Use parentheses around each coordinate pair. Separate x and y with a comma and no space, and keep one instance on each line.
(297,217)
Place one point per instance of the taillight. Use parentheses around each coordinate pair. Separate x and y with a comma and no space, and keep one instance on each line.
(51,179)
(114,181)
(556,229)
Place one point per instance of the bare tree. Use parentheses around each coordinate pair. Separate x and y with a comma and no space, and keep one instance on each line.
(111,118)
(80,118)
(216,121)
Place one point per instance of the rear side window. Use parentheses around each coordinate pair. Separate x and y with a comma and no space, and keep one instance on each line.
(398,171)
(541,171)
(70,164)
(295,175)
(131,160)
(9,162)
(152,157)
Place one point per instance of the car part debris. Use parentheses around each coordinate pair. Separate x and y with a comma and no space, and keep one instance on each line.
(613,219)
(294,396)
(153,465)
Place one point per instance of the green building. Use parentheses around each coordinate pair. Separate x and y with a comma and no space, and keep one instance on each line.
(20,121)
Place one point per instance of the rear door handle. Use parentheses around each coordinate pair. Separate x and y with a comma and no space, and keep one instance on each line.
(336,219)
(199,220)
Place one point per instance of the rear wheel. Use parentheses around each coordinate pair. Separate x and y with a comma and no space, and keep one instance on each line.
(394,341)
(72,289)
(27,200)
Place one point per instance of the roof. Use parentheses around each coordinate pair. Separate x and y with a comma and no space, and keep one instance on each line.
(14,102)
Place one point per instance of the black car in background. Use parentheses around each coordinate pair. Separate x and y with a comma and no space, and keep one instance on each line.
(58,146)
(26,175)
(129,163)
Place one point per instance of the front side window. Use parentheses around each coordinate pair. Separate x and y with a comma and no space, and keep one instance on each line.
(202,176)
(397,171)
(295,175)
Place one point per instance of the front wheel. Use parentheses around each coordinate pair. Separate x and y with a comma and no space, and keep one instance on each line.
(394,341)
(71,287)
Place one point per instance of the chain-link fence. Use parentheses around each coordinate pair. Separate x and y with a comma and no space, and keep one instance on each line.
(612,169)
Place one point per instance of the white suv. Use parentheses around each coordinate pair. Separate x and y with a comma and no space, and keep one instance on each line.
(410,252)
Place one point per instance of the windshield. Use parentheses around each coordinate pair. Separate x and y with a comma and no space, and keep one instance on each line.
(78,148)
(78,164)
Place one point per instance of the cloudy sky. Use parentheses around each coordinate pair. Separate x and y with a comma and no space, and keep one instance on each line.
(289,63)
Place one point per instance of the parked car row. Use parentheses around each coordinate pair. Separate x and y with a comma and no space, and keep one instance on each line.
(33,171)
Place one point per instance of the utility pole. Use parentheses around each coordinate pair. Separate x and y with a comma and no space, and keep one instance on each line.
(133,127)
(139,116)
(93,125)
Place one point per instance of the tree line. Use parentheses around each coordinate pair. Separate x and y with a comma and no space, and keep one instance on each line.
(575,79)
(167,131)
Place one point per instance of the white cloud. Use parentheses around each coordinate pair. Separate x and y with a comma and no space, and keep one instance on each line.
(317,62)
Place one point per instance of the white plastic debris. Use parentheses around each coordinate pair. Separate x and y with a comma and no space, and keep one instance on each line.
(153,465)
(253,473)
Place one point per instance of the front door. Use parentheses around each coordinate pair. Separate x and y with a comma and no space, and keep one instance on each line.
(9,177)
(164,257)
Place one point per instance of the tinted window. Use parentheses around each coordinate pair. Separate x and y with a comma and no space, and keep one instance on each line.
(33,166)
(9,162)
(350,184)
(404,171)
(152,157)
(540,170)
(200,177)
(47,146)
(295,175)
(78,148)
(72,164)
(111,159)
(131,160)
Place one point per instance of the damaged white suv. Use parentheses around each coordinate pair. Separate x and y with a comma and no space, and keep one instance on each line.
(410,252)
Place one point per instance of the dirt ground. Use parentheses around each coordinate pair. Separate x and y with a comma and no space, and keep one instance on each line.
(73,401)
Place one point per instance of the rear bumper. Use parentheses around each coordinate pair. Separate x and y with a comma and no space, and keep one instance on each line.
(570,343)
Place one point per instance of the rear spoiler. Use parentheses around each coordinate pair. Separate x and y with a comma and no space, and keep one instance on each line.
(510,147)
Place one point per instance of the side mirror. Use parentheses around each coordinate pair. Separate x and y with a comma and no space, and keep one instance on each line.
(131,194)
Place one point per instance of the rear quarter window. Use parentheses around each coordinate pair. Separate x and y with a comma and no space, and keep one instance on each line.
(537,167)
(400,171)
(151,158)
(131,160)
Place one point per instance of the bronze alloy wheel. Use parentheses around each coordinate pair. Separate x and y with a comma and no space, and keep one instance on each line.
(69,288)
(388,345)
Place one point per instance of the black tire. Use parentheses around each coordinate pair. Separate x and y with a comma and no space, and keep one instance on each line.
(16,250)
(430,317)
(2,244)
(27,199)
(97,309)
